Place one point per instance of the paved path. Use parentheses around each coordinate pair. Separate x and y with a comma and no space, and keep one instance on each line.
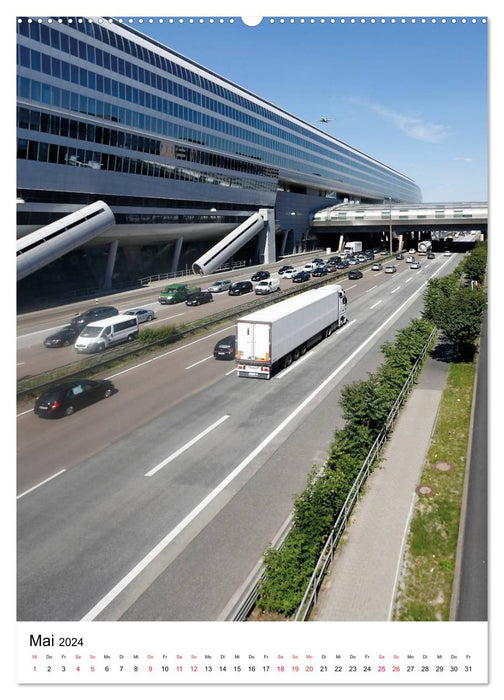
(361,582)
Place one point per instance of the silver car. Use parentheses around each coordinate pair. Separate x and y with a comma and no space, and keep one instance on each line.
(220,286)
(141,314)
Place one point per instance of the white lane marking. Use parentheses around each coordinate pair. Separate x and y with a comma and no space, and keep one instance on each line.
(408,280)
(378,302)
(187,446)
(41,483)
(170,352)
(230,372)
(351,287)
(150,556)
(395,290)
(371,288)
(199,362)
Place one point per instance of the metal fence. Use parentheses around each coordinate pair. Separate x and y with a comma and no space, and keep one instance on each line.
(189,271)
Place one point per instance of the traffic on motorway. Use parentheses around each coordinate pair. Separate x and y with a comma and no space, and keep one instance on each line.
(140,462)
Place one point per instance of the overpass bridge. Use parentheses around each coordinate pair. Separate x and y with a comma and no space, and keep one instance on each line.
(405,221)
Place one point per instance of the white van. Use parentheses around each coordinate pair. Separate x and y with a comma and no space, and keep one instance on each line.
(99,335)
(267,286)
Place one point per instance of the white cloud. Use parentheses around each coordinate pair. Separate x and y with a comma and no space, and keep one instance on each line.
(414,126)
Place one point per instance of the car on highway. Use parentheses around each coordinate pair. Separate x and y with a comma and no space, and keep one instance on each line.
(390,269)
(447,253)
(260,275)
(225,349)
(399,256)
(342,265)
(62,338)
(410,259)
(353,261)
(199,298)
(220,286)
(289,273)
(430,255)
(239,288)
(377,266)
(301,276)
(319,271)
(72,395)
(96,313)
(415,265)
(284,268)
(142,315)
(354,275)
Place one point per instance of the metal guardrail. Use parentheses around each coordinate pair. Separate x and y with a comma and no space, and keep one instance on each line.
(326,557)
(188,272)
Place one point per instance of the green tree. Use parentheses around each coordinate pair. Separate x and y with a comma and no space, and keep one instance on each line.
(475,264)
(460,317)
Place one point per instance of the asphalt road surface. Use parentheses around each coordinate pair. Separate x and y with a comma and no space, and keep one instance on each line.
(158,503)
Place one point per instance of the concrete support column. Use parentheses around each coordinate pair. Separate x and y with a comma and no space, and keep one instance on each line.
(112,254)
(400,237)
(285,237)
(341,243)
(176,254)
(267,236)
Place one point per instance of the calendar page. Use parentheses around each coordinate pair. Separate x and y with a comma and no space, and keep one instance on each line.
(251,348)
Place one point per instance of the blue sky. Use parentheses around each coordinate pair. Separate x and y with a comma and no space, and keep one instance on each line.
(412,95)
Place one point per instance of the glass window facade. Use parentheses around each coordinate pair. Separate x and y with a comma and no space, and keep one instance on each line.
(108,73)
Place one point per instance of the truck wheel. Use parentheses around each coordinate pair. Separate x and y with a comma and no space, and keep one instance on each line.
(295,354)
(288,360)
(302,349)
(328,332)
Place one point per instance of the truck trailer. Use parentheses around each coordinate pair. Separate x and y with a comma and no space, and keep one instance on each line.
(352,247)
(274,337)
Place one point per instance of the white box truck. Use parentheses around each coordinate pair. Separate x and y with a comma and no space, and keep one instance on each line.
(352,247)
(273,337)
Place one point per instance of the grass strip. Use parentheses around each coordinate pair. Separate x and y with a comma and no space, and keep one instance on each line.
(426,584)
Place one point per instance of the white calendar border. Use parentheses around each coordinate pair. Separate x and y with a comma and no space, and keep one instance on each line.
(11,629)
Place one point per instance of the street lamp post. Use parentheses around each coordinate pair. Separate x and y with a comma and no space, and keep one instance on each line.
(390,224)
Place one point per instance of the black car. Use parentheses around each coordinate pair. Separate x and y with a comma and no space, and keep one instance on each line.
(284,268)
(354,275)
(430,255)
(94,314)
(199,298)
(342,265)
(65,336)
(240,288)
(319,271)
(66,398)
(225,349)
(302,276)
(260,275)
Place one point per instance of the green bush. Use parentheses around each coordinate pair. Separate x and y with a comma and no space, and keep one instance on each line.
(153,335)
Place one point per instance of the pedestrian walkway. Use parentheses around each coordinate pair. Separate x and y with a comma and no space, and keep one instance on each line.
(361,582)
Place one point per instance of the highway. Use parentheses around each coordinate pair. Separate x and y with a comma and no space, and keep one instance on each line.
(157,503)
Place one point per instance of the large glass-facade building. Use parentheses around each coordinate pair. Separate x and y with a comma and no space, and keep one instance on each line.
(181,155)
